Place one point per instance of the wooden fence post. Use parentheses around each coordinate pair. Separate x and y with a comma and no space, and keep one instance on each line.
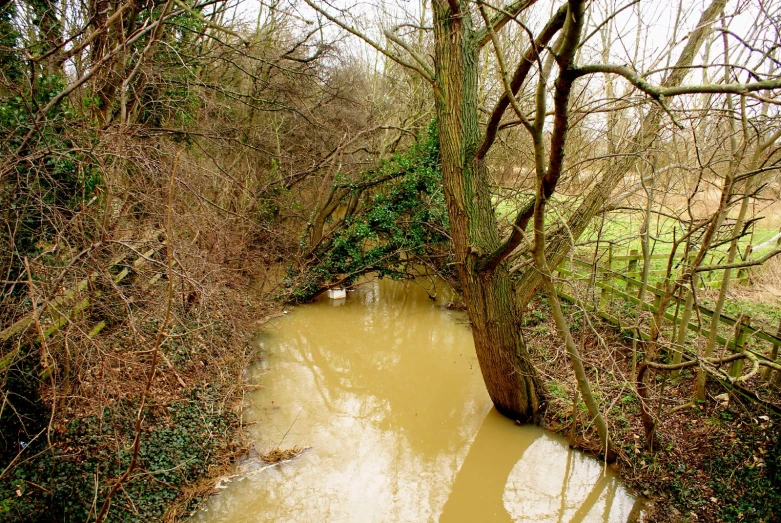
(683,327)
(743,274)
(767,373)
(631,271)
(607,277)
(740,341)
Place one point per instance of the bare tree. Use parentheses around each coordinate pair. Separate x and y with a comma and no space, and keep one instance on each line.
(481,253)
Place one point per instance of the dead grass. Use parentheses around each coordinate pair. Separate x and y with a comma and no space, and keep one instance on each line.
(278,454)
(765,284)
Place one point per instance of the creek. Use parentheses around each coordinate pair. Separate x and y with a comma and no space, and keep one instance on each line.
(384,391)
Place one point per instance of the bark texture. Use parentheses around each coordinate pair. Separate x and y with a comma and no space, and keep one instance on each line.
(512,381)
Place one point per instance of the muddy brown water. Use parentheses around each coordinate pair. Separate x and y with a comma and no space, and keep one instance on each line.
(385,391)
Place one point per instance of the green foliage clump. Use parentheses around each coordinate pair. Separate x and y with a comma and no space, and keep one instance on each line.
(167,97)
(403,222)
(179,443)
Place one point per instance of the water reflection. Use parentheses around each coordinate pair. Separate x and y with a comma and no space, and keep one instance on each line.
(385,389)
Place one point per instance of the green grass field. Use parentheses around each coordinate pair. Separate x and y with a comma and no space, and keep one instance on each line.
(621,230)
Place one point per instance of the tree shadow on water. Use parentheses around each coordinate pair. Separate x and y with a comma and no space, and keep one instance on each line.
(479,485)
(523,474)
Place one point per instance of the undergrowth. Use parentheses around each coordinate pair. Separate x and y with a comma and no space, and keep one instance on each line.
(181,441)
(717,462)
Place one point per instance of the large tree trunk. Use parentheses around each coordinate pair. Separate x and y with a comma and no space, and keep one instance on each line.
(510,377)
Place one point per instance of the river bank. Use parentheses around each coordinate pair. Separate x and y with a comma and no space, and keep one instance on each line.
(195,434)
(191,424)
(718,461)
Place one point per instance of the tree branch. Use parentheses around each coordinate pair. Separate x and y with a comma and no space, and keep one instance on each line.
(414,54)
(658,92)
(741,265)
(503,72)
(355,32)
(500,19)
(561,96)
(569,45)
(519,77)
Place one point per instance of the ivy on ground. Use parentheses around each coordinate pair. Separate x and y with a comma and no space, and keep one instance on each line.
(179,443)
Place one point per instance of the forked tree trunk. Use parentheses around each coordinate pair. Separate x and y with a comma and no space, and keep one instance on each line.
(512,381)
